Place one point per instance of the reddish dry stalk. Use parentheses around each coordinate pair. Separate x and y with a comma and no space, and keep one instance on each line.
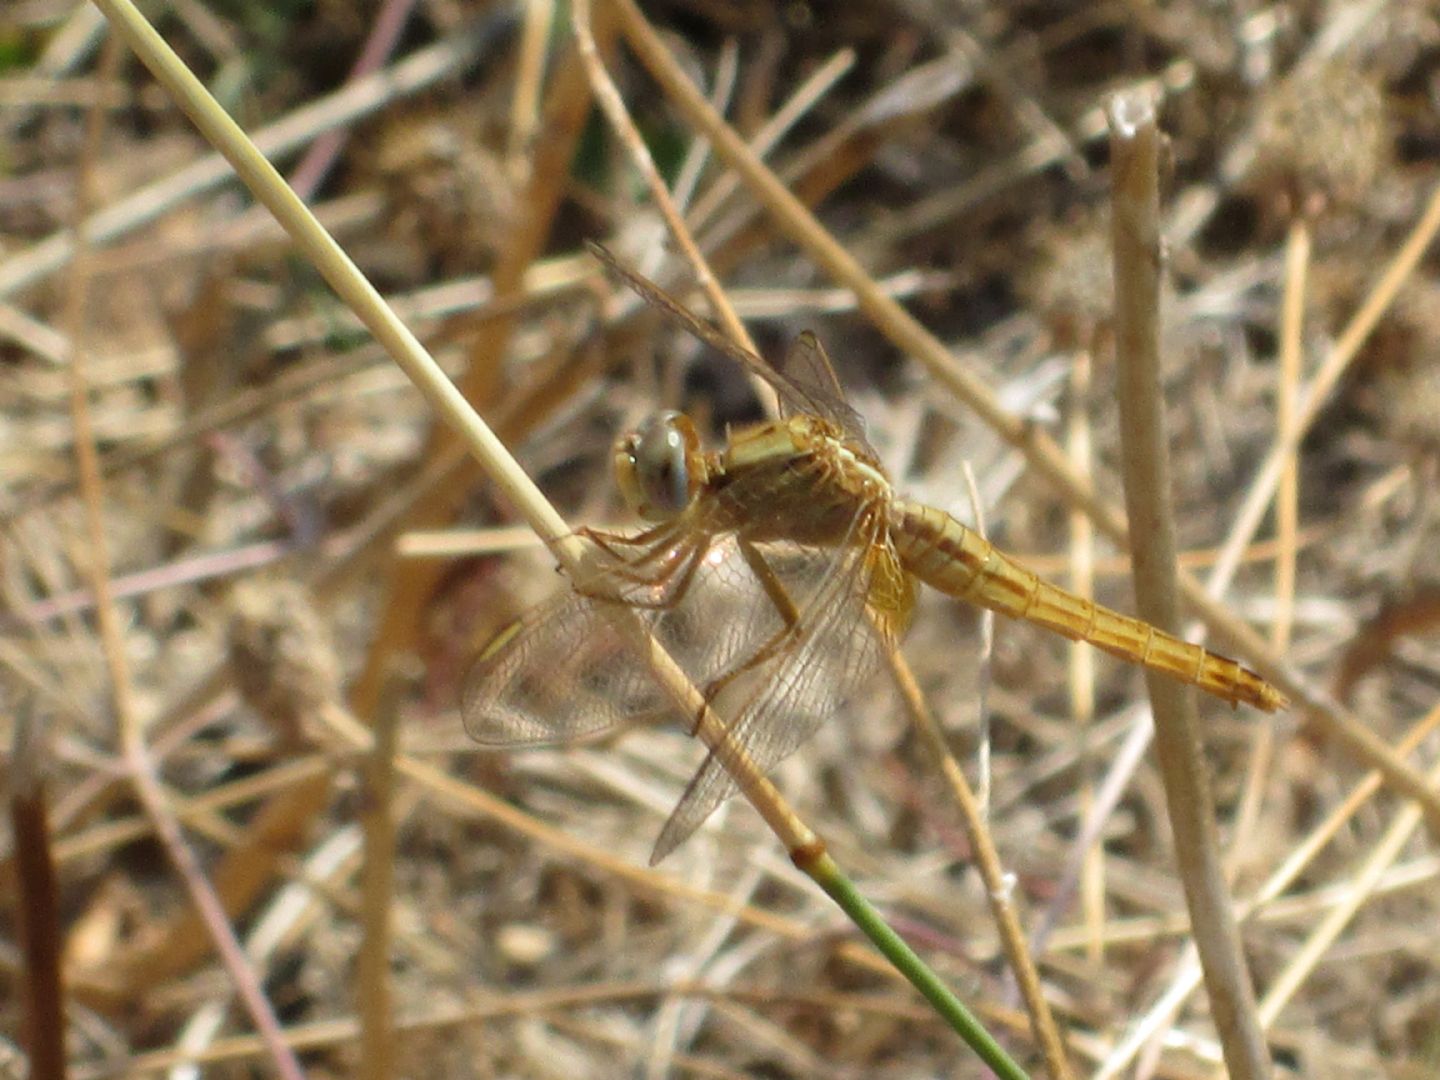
(38,907)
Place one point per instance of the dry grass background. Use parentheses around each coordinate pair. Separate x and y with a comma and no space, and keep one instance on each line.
(261,461)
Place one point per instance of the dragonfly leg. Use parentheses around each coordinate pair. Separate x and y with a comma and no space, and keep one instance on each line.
(774,589)
(608,542)
(781,639)
(671,588)
(668,588)
(660,548)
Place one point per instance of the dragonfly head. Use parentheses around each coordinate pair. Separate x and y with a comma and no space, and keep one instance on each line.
(659,466)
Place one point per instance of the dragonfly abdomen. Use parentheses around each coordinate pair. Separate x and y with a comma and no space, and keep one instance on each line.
(944,554)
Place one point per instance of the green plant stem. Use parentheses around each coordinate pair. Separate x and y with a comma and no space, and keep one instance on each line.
(826,873)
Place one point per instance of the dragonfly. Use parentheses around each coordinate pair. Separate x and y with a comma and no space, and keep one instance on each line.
(777,570)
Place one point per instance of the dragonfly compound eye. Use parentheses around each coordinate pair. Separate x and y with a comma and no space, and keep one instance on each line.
(655,466)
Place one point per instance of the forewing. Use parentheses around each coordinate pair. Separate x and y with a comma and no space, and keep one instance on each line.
(788,697)
(807,366)
(811,388)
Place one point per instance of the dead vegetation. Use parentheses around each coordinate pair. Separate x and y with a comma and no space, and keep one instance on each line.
(268,489)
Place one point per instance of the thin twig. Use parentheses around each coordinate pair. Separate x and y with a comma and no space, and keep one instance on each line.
(697,156)
(375,1008)
(999,886)
(1134,159)
(610,101)
(1287,522)
(37,906)
(529,77)
(986,659)
(147,785)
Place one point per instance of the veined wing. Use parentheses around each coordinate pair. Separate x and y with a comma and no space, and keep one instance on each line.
(778,706)
(564,670)
(805,384)
(807,366)
(560,672)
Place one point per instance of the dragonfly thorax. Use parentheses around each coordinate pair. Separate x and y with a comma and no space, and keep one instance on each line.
(659,466)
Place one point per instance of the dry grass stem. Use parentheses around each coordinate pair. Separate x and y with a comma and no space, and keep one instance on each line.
(37,907)
(130,734)
(375,998)
(999,885)
(1135,159)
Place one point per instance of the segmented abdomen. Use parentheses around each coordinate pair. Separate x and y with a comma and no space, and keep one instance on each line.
(958,561)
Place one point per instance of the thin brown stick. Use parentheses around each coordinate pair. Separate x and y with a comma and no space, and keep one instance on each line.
(375,1008)
(1134,154)
(147,786)
(37,908)
(999,889)
(603,87)
(535,36)
(1287,498)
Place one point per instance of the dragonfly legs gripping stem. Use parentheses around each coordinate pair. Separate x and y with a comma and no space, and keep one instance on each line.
(654,540)
(667,558)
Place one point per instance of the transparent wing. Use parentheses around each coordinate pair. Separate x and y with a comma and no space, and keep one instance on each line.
(807,365)
(563,671)
(782,701)
(560,672)
(807,382)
